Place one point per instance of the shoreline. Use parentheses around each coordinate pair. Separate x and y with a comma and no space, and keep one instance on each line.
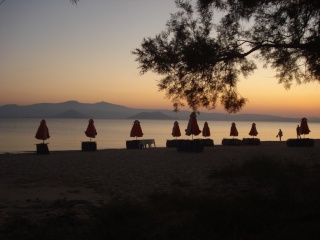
(263,143)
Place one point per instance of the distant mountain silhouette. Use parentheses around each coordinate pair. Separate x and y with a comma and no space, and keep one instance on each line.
(151,115)
(96,110)
(71,114)
(74,109)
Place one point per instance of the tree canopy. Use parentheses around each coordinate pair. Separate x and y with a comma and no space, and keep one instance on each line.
(201,61)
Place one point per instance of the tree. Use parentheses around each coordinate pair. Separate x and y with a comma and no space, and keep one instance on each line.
(202,61)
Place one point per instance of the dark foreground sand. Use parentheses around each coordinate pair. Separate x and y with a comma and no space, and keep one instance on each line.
(29,181)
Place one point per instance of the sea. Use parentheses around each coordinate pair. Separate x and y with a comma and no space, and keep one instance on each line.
(18,134)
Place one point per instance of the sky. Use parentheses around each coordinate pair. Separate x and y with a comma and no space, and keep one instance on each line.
(53,51)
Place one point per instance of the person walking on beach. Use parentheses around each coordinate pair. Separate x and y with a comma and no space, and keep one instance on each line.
(298,132)
(280,134)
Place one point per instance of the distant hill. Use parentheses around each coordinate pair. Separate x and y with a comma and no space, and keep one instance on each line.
(105,110)
(41,110)
(71,114)
(151,115)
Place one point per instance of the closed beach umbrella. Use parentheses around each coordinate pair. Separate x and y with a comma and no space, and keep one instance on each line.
(253,132)
(91,131)
(233,130)
(176,130)
(43,131)
(136,130)
(206,130)
(304,129)
(193,128)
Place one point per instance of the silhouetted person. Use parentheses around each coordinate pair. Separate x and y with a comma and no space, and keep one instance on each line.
(298,132)
(280,134)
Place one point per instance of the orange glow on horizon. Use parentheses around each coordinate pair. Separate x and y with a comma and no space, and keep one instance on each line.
(54,52)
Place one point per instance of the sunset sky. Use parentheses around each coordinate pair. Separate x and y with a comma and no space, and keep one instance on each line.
(53,51)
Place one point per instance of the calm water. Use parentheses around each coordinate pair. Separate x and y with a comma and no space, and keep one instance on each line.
(18,135)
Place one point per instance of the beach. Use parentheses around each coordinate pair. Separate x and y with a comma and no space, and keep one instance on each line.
(104,175)
(32,184)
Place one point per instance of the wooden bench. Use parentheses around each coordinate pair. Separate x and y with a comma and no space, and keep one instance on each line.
(142,143)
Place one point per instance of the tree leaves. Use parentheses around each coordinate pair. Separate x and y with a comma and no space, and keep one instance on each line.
(201,62)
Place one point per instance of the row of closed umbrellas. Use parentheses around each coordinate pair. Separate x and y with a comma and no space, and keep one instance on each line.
(192,129)
(43,131)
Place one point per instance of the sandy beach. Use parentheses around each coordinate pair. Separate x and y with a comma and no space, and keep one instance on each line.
(99,177)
